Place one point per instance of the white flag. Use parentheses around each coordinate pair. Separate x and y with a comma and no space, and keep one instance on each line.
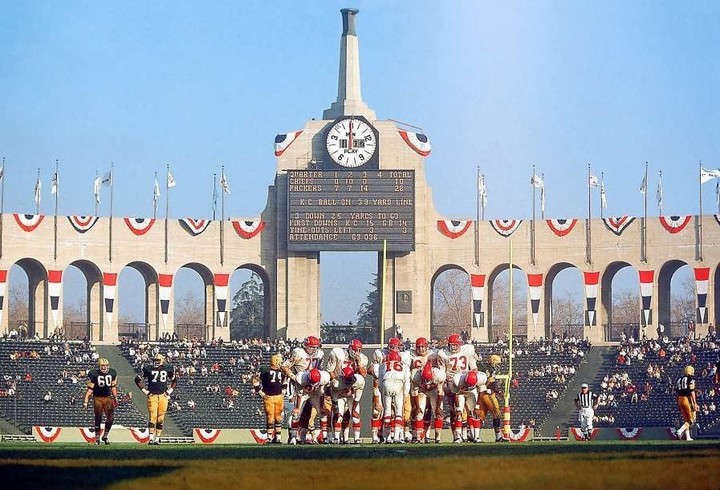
(38,189)
(2,172)
(717,194)
(707,175)
(170,180)
(643,185)
(659,192)
(603,196)
(107,178)
(542,199)
(593,181)
(156,191)
(97,184)
(54,185)
(482,190)
(536,181)
(224,184)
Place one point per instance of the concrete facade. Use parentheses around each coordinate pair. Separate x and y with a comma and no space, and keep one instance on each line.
(292,280)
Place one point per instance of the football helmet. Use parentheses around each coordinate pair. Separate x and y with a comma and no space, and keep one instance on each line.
(454,343)
(275,361)
(427,372)
(689,371)
(471,380)
(349,375)
(354,348)
(311,345)
(394,355)
(104,365)
(394,344)
(421,346)
(314,376)
(494,360)
(158,360)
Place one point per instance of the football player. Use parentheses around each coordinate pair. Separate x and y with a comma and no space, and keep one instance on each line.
(346,394)
(487,398)
(311,389)
(301,359)
(269,383)
(102,385)
(161,382)
(686,401)
(337,361)
(419,356)
(394,345)
(464,387)
(427,385)
(394,377)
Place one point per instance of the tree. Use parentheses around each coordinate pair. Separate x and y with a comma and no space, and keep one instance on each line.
(501,301)
(626,307)
(682,304)
(18,305)
(369,313)
(567,310)
(247,317)
(189,310)
(452,303)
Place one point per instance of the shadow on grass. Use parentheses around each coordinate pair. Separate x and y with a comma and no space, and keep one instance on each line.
(86,477)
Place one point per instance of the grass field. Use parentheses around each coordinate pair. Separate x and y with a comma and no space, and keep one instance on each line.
(594,465)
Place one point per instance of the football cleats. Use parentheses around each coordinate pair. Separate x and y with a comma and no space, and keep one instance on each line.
(421,346)
(104,365)
(354,348)
(348,374)
(311,345)
(394,355)
(689,371)
(494,360)
(394,344)
(454,342)
(471,379)
(158,360)
(314,376)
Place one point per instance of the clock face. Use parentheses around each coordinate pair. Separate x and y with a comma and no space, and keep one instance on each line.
(351,142)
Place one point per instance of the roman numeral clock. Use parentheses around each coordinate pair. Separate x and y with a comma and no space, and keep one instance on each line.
(351,142)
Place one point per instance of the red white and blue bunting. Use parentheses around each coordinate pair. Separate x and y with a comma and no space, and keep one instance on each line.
(141,434)
(417,141)
(520,435)
(28,222)
(561,227)
(82,223)
(248,229)
(282,141)
(535,282)
(675,224)
(646,292)
(89,433)
(165,283)
(194,226)
(221,295)
(578,433)
(702,279)
(139,226)
(47,434)
(619,224)
(109,288)
(453,228)
(477,284)
(260,435)
(505,227)
(3,285)
(54,291)
(629,433)
(207,436)
(591,290)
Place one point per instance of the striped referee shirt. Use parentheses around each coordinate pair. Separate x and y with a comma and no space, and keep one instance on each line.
(586,400)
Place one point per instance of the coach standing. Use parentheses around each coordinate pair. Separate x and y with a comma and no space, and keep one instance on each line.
(586,402)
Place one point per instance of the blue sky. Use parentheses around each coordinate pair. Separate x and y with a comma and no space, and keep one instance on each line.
(502,85)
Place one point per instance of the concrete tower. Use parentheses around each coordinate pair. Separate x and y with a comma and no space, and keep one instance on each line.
(349,99)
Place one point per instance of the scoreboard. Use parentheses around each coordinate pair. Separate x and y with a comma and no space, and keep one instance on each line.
(351,210)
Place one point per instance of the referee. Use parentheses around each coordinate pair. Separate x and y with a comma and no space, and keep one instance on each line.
(586,402)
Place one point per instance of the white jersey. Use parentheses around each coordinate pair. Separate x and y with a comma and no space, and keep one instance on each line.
(381,354)
(418,384)
(459,384)
(462,361)
(307,387)
(395,373)
(418,361)
(339,359)
(341,388)
(300,360)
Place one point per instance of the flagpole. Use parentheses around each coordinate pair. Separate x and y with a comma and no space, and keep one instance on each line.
(700,227)
(532,222)
(477,220)
(542,196)
(643,248)
(96,189)
(214,195)
(588,228)
(56,181)
(659,193)
(37,201)
(222,217)
(602,194)
(2,204)
(155,197)
(382,297)
(167,209)
(112,185)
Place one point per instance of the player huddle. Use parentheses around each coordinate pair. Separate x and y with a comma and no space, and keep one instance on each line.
(412,392)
